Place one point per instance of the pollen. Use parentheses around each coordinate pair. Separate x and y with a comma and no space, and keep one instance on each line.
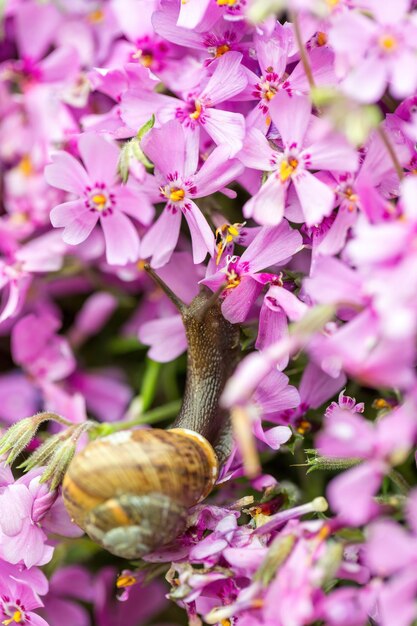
(197,112)
(25,165)
(221,50)
(96,16)
(321,38)
(100,201)
(388,42)
(227,3)
(16,618)
(287,168)
(125,581)
(176,195)
(233,280)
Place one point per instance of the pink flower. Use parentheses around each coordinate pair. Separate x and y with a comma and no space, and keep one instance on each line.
(100,199)
(37,348)
(374,52)
(197,111)
(67,585)
(307,145)
(175,169)
(243,283)
(17,600)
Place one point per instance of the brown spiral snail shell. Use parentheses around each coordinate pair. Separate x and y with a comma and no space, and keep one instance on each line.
(131,491)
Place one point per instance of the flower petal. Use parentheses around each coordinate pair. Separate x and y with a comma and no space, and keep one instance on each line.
(161,239)
(267,206)
(225,128)
(271,245)
(202,237)
(227,80)
(100,157)
(291,115)
(122,239)
(239,301)
(66,173)
(316,198)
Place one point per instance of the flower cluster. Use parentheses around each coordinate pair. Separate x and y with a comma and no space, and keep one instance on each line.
(284,133)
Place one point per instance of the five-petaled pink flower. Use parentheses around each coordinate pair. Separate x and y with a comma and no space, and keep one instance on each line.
(100,198)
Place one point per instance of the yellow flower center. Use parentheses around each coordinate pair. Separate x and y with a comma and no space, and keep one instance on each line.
(25,165)
(221,50)
(96,16)
(125,581)
(197,112)
(332,3)
(146,59)
(321,38)
(227,3)
(233,280)
(287,168)
(100,201)
(16,617)
(388,42)
(176,195)
(225,235)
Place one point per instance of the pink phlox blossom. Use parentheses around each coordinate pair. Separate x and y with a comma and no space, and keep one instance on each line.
(344,403)
(372,53)
(315,388)
(35,31)
(241,275)
(67,585)
(180,183)
(220,38)
(272,396)
(206,12)
(33,576)
(18,396)
(17,601)
(100,198)
(278,306)
(92,317)
(349,606)
(40,255)
(307,145)
(143,602)
(387,443)
(23,504)
(197,110)
(105,391)
(272,51)
(38,348)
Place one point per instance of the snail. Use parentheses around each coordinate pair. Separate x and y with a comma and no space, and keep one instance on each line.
(131,491)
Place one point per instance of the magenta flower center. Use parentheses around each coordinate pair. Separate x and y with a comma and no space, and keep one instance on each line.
(266,89)
(98,198)
(191,114)
(13,612)
(176,192)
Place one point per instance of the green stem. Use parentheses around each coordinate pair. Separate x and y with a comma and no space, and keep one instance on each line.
(302,50)
(151,417)
(390,149)
(149,383)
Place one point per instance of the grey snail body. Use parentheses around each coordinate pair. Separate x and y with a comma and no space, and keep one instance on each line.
(131,491)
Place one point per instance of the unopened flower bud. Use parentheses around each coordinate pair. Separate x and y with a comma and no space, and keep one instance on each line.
(278,552)
(17,437)
(62,455)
